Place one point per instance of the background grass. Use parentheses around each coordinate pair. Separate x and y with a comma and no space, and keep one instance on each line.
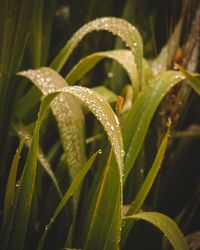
(156,173)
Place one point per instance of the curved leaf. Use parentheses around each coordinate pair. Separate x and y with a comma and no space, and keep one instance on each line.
(166,225)
(70,120)
(116,26)
(68,114)
(124,57)
(103,112)
(97,105)
(136,125)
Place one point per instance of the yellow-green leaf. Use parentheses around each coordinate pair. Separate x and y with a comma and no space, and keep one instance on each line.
(116,26)
(164,224)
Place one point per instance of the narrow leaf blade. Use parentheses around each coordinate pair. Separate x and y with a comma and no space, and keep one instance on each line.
(73,187)
(23,206)
(11,182)
(116,26)
(136,125)
(164,224)
(124,57)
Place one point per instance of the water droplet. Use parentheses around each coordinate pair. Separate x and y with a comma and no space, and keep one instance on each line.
(52,220)
(110,75)
(18,184)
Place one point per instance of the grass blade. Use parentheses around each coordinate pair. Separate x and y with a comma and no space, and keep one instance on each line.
(73,187)
(116,26)
(101,228)
(136,125)
(11,182)
(96,104)
(124,57)
(166,225)
(69,116)
(15,21)
(26,188)
(103,112)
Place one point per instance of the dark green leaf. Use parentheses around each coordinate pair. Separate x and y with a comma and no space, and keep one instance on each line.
(23,205)
(73,187)
(145,188)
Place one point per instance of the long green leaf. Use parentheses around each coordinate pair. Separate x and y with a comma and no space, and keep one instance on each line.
(73,187)
(116,26)
(166,225)
(102,221)
(136,125)
(145,188)
(100,108)
(69,117)
(23,205)
(36,35)
(123,56)
(11,182)
(96,104)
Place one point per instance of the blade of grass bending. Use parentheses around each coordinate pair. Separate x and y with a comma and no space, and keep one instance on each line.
(31,99)
(23,205)
(166,225)
(116,26)
(145,188)
(103,112)
(73,187)
(96,104)
(104,233)
(11,182)
(124,57)
(70,120)
(141,113)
